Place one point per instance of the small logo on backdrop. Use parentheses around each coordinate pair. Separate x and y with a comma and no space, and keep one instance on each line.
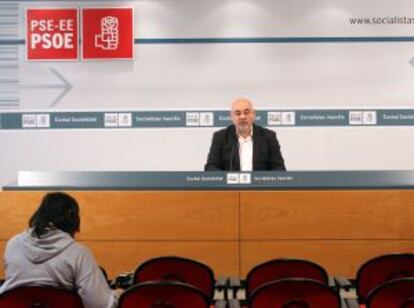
(107,33)
(108,39)
(36,120)
(111,119)
(355,118)
(206,119)
(245,178)
(52,34)
(233,178)
(125,119)
(274,118)
(288,118)
(192,118)
(43,120)
(29,121)
(369,117)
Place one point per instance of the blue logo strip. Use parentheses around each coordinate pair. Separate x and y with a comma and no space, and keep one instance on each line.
(204,119)
(276,40)
(256,40)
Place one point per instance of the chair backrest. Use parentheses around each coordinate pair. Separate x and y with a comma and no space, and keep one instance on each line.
(294,293)
(40,297)
(163,294)
(177,269)
(398,293)
(283,268)
(381,269)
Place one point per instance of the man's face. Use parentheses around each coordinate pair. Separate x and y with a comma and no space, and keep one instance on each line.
(243,116)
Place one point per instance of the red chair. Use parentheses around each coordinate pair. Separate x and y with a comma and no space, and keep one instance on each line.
(177,269)
(397,293)
(294,293)
(381,269)
(283,268)
(40,297)
(163,294)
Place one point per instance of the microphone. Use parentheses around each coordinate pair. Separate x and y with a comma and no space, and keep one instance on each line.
(236,145)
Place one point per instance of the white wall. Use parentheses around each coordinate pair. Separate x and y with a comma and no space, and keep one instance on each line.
(210,76)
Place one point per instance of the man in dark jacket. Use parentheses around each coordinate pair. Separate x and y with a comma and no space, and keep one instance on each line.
(244,146)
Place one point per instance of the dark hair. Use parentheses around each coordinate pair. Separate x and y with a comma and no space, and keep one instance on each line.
(58,210)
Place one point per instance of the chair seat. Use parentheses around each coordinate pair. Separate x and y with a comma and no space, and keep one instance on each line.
(163,294)
(381,269)
(294,293)
(172,268)
(40,296)
(393,294)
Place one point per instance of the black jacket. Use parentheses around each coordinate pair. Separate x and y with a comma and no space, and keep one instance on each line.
(224,151)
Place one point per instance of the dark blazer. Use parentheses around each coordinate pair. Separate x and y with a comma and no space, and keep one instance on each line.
(224,150)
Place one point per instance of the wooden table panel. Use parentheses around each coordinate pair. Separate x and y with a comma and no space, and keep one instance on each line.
(118,257)
(136,215)
(339,258)
(16,208)
(361,214)
(159,215)
(337,228)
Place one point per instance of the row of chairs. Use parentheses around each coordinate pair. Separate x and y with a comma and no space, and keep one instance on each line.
(174,282)
(385,281)
(284,293)
(273,275)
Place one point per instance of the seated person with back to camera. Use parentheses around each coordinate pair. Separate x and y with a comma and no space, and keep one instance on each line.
(46,254)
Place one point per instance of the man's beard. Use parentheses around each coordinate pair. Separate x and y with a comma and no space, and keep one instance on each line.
(243,128)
